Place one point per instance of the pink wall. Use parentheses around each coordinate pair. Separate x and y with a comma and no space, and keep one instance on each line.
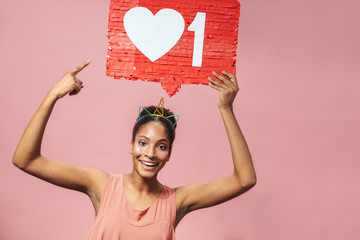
(298,67)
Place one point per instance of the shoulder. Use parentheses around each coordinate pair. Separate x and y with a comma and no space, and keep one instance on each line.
(168,191)
(99,176)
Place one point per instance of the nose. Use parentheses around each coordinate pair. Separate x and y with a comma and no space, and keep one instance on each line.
(150,151)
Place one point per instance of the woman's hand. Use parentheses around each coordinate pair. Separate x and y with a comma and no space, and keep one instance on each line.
(28,156)
(69,83)
(193,197)
(227,86)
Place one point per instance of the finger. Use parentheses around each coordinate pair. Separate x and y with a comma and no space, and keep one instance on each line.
(216,83)
(75,91)
(215,87)
(77,80)
(80,67)
(224,79)
(79,85)
(231,76)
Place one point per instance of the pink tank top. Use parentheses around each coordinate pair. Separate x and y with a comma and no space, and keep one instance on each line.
(117,219)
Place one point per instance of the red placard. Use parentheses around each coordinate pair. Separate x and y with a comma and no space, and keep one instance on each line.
(184,63)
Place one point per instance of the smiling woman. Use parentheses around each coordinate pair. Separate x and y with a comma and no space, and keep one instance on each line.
(136,205)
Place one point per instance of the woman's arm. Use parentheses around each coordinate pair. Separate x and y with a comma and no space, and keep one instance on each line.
(28,156)
(193,197)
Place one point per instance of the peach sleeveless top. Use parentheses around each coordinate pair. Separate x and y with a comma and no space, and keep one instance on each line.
(117,219)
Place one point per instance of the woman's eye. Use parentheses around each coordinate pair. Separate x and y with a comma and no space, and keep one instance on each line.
(162,147)
(142,143)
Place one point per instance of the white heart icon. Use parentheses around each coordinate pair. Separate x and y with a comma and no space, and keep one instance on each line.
(154,35)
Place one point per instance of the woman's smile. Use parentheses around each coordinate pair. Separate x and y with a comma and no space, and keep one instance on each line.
(149,165)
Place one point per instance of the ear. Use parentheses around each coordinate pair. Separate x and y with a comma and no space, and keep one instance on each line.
(131,147)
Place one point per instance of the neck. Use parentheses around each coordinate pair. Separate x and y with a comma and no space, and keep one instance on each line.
(143,185)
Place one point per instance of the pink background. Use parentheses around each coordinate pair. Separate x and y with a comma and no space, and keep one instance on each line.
(298,68)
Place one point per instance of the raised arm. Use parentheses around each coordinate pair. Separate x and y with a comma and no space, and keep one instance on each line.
(193,197)
(28,156)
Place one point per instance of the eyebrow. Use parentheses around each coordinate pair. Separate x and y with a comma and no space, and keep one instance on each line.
(161,140)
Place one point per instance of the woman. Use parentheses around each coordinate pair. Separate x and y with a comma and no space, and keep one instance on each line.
(137,205)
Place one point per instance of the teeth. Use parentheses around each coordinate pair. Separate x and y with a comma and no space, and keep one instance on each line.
(149,164)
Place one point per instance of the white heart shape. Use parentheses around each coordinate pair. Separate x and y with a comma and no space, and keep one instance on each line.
(153,35)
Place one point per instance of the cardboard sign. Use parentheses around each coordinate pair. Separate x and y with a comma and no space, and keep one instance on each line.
(172,42)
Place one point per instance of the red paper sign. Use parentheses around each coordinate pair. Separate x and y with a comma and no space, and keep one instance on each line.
(172,42)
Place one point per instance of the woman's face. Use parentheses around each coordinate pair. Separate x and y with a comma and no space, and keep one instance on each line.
(151,149)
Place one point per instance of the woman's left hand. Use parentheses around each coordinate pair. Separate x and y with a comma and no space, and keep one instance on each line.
(227,86)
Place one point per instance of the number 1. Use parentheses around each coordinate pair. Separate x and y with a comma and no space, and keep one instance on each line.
(198,26)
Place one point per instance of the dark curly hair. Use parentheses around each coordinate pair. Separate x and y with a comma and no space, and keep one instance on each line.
(168,123)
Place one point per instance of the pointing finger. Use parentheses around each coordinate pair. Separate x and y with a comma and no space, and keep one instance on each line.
(80,67)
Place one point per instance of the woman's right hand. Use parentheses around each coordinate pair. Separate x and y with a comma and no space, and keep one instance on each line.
(69,83)
(28,157)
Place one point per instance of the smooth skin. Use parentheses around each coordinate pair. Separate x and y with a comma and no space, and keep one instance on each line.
(151,145)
